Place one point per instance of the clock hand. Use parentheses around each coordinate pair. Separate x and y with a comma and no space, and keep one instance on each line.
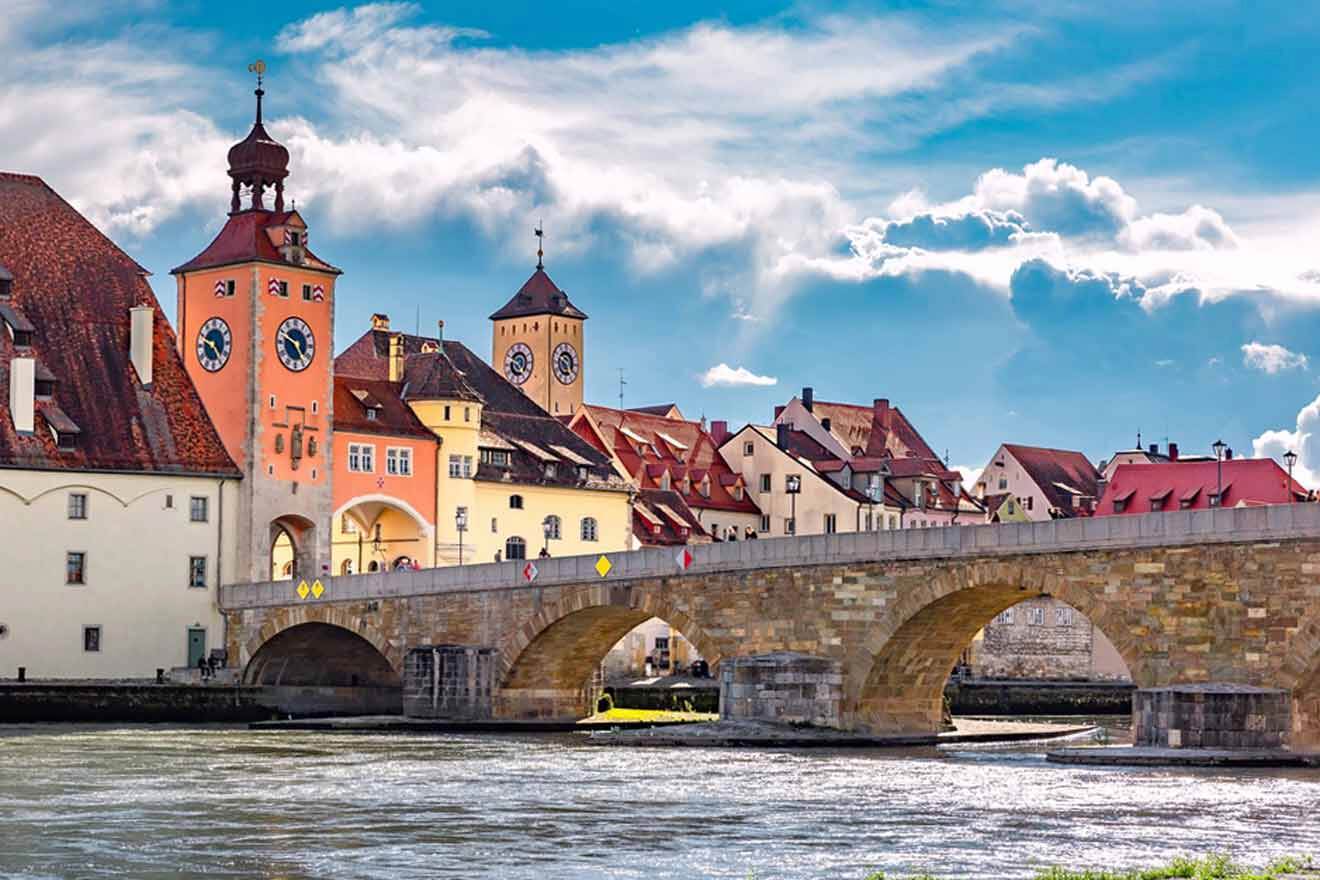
(212,345)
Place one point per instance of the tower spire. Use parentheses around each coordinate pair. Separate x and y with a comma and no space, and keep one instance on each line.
(540,240)
(259,68)
(258,161)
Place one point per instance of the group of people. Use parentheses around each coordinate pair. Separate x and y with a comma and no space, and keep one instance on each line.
(731,534)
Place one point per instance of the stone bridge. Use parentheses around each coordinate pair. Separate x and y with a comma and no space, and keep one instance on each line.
(1187,596)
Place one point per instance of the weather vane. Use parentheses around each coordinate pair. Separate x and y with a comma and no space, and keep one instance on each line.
(540,240)
(259,68)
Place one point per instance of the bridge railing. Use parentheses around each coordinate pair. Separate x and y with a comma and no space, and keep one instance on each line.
(1174,528)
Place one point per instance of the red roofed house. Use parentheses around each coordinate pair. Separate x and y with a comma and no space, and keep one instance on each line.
(1196,485)
(124,490)
(686,492)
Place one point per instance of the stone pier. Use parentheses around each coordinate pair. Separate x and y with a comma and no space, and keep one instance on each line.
(782,687)
(454,682)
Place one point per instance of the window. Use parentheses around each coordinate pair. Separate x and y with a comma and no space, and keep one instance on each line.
(1030,500)
(229,288)
(515,547)
(1063,616)
(455,466)
(467,413)
(75,568)
(283,288)
(197,571)
(555,527)
(831,524)
(515,502)
(765,482)
(467,465)
(1005,617)
(749,448)
(199,508)
(315,407)
(347,526)
(765,524)
(371,414)
(551,470)
(1003,483)
(91,639)
(169,502)
(362,457)
(398,461)
(1214,500)
(1036,615)
(77,505)
(494,525)
(1120,505)
(346,567)
(497,457)
(584,473)
(446,412)
(307,290)
(790,526)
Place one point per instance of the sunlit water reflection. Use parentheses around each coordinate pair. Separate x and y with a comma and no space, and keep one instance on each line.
(168,802)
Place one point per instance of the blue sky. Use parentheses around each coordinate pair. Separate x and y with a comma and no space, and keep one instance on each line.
(1054,223)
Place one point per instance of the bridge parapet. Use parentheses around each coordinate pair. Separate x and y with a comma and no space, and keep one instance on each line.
(1171,529)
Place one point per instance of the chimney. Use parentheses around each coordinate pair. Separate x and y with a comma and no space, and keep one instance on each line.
(140,343)
(380,321)
(22,389)
(1173,452)
(719,431)
(825,423)
(781,436)
(1154,449)
(881,411)
(1228,454)
(396,357)
(808,398)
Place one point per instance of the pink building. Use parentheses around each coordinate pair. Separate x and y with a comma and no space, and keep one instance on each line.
(1196,485)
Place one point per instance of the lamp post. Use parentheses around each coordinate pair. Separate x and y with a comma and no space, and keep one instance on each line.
(1290,459)
(460,523)
(545,527)
(793,485)
(1219,446)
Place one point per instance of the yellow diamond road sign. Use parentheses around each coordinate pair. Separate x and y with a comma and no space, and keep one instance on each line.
(317,588)
(603,565)
(303,590)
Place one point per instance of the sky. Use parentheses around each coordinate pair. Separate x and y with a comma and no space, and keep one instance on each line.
(1054,223)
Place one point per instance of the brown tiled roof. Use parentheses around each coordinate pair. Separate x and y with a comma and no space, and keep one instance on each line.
(659,409)
(876,430)
(430,375)
(244,239)
(353,397)
(651,508)
(1047,468)
(76,287)
(538,296)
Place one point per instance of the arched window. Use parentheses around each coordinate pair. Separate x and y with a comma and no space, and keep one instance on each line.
(515,547)
(589,531)
(515,502)
(347,566)
(554,530)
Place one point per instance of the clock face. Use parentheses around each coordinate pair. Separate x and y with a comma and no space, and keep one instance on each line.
(518,363)
(566,363)
(295,344)
(214,343)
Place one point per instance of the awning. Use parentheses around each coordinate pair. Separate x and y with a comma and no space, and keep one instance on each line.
(1125,496)
(1190,495)
(670,441)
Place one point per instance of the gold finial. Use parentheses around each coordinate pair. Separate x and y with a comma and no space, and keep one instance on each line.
(540,240)
(259,68)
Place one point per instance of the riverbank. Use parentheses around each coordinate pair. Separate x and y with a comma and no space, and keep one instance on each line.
(723,734)
(1211,868)
(1025,698)
(1137,756)
(130,702)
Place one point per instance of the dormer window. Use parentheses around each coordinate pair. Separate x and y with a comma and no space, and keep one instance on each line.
(6,283)
(63,429)
(583,473)
(550,470)
(371,413)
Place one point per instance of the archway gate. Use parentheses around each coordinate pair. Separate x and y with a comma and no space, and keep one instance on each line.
(1224,596)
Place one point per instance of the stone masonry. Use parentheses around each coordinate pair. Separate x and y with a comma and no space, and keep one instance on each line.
(784,688)
(449,681)
(1187,596)
(1211,716)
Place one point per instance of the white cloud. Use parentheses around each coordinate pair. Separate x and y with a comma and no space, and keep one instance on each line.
(969,475)
(724,376)
(1271,359)
(1303,440)
(1164,363)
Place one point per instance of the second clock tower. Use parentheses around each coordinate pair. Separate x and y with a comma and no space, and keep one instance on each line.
(538,344)
(256,321)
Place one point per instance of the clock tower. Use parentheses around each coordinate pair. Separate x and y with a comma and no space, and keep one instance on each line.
(255,314)
(538,344)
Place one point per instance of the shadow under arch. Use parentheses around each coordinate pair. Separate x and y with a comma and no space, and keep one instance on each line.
(548,664)
(315,668)
(899,686)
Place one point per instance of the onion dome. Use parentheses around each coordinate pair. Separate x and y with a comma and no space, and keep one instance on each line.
(258,161)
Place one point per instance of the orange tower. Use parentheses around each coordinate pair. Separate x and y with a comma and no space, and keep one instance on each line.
(256,322)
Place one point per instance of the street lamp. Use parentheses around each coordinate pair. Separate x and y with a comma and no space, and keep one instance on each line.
(1219,446)
(1290,459)
(460,523)
(793,485)
(546,527)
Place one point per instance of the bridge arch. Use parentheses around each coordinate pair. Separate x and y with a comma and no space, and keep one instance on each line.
(547,664)
(897,684)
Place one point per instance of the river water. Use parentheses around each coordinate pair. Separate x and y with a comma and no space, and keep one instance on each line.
(176,802)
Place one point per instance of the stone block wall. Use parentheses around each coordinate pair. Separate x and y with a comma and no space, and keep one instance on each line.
(783,688)
(1211,716)
(1041,638)
(449,681)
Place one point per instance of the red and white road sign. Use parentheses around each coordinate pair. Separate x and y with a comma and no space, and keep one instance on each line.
(684,558)
(529,572)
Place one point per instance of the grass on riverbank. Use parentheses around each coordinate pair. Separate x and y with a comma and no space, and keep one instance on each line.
(1212,868)
(652,715)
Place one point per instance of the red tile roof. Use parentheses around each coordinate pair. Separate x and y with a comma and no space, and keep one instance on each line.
(876,430)
(1048,468)
(538,296)
(76,287)
(1246,481)
(244,239)
(353,398)
(647,462)
(654,525)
